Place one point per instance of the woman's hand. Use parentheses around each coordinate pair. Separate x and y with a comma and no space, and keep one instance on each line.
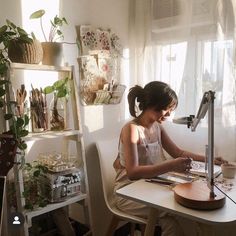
(182,164)
(219,161)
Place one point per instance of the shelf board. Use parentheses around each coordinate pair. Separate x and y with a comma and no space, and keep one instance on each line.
(51,134)
(38,67)
(54,206)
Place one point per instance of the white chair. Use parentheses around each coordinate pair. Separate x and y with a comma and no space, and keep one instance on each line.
(107,152)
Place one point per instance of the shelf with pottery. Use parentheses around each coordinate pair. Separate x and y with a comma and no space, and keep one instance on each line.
(63,138)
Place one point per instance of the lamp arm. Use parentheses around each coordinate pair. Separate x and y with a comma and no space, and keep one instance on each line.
(203,108)
(207,104)
(210,180)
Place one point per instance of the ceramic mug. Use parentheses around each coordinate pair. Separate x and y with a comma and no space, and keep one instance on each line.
(228,170)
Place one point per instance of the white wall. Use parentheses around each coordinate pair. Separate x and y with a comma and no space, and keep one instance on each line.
(102,122)
(98,121)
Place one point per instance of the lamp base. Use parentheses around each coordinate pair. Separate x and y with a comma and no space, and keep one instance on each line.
(196,195)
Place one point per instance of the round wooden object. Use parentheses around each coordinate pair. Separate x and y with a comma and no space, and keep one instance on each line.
(196,195)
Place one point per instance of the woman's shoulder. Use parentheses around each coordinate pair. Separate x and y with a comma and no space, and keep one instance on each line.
(130,124)
(129,129)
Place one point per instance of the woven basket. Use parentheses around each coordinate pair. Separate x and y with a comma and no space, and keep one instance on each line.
(29,53)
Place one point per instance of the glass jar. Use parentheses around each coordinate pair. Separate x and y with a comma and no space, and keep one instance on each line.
(39,119)
(57,113)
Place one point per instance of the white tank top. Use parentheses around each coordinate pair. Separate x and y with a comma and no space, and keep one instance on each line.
(148,152)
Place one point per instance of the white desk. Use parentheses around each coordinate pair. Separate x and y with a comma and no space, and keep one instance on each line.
(162,197)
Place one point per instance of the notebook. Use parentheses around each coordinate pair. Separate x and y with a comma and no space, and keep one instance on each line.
(176,178)
(198,168)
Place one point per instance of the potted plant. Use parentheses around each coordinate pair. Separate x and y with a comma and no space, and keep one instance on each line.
(16,127)
(15,124)
(34,190)
(51,47)
(17,46)
(60,90)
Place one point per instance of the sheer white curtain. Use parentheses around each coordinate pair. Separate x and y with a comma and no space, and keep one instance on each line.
(190,44)
(140,31)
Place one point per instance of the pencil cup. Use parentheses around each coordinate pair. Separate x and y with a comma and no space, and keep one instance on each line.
(228,170)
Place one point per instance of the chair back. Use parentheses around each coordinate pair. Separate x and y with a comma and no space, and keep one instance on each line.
(107,153)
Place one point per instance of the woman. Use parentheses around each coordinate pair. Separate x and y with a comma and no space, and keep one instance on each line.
(141,145)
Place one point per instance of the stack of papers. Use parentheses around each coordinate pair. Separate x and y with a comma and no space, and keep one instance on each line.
(199,168)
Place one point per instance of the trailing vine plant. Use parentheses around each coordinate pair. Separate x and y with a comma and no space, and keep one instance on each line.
(16,125)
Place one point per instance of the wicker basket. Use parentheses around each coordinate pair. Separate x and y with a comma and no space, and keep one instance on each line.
(29,53)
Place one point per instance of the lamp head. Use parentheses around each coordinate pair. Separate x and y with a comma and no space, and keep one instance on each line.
(184,120)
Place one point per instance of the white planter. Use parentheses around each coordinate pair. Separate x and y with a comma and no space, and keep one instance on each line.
(52,53)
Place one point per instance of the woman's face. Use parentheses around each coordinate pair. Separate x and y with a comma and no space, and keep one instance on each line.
(162,115)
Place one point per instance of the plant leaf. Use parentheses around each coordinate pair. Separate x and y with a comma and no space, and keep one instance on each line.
(22,146)
(1,103)
(37,14)
(19,122)
(3,29)
(10,24)
(21,31)
(23,133)
(33,35)
(8,116)
(26,118)
(60,83)
(36,173)
(2,91)
(48,89)
(62,92)
(2,82)
(59,32)
(65,21)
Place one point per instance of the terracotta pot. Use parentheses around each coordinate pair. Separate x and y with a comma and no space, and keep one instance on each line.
(52,53)
(29,53)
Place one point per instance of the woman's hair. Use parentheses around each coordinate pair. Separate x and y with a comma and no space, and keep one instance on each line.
(156,95)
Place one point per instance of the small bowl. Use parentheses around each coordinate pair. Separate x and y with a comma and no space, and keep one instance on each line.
(228,170)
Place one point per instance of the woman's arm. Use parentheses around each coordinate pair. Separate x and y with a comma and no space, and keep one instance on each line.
(130,140)
(173,150)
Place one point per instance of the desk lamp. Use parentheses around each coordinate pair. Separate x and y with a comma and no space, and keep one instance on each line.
(200,194)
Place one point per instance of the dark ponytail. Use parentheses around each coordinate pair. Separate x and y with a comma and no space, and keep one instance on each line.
(156,94)
(135,92)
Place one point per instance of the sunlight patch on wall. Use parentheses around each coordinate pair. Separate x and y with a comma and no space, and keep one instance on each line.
(51,8)
(95,118)
(125,79)
(40,79)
